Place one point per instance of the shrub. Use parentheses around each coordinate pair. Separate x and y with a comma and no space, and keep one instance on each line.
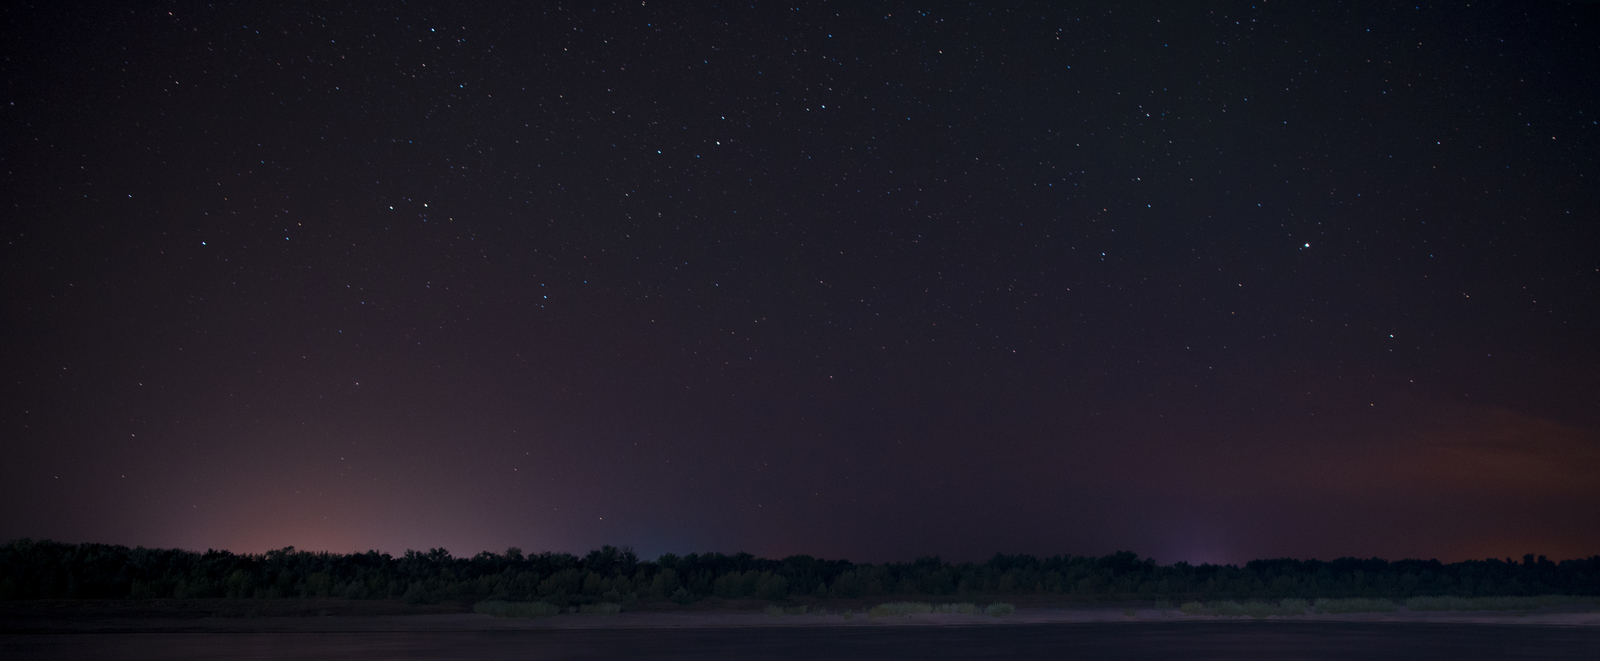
(602,608)
(1257,609)
(963,609)
(497,608)
(999,608)
(1490,603)
(1294,606)
(900,608)
(1225,608)
(1355,605)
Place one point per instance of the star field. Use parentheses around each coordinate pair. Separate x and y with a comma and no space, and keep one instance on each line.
(871,281)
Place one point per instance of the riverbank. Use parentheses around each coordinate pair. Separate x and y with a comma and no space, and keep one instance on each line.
(340,616)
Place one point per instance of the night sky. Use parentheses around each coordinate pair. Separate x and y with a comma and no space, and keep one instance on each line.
(868,281)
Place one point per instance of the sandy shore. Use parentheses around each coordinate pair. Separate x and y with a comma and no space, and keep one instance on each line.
(725,619)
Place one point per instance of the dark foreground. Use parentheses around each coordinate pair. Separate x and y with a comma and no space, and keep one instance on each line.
(1176,640)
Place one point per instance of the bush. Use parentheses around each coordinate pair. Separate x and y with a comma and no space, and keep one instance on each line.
(1490,603)
(999,608)
(602,608)
(1294,606)
(963,609)
(900,608)
(1355,605)
(497,608)
(1219,608)
(1256,609)
(1259,609)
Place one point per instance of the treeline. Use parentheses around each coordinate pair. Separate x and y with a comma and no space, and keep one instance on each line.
(32,569)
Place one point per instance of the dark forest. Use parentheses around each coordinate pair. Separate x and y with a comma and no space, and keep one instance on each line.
(37,569)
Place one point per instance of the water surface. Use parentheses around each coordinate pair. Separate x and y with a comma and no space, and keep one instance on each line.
(1176,640)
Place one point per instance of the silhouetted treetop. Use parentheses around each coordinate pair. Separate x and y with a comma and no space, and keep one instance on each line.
(32,569)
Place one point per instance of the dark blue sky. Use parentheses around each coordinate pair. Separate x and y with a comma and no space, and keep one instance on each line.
(870,281)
